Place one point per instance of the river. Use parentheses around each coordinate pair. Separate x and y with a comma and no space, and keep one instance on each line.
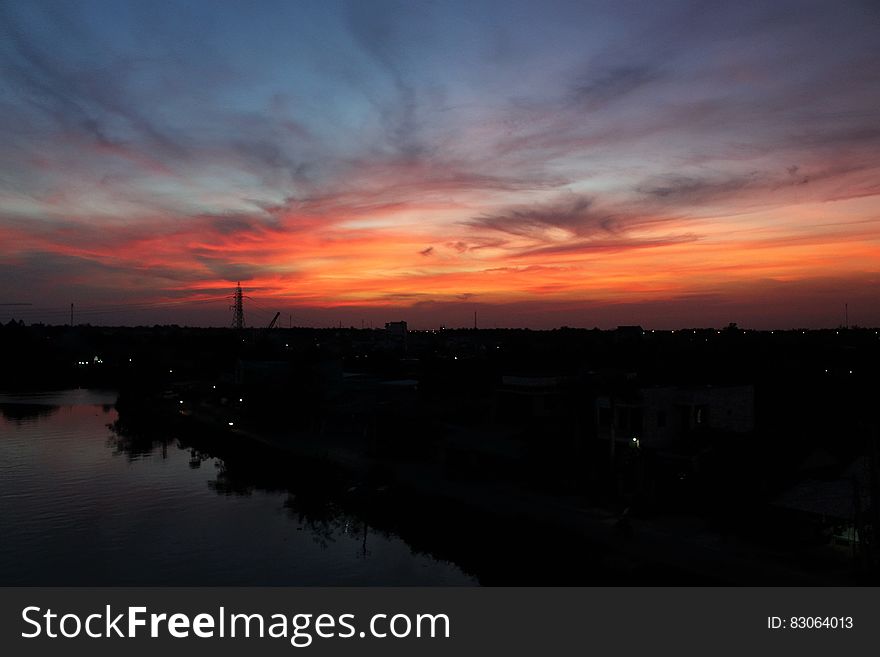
(81,503)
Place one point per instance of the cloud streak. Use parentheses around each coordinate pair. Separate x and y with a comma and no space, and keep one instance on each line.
(391,154)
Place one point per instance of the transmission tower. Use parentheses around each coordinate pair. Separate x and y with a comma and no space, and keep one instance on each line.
(237,308)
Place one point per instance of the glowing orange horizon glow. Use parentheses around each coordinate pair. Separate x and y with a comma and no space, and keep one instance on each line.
(337,264)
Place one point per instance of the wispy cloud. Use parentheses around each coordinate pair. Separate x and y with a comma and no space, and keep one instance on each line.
(369,154)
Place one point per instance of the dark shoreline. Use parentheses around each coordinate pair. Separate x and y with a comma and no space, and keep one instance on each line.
(583,545)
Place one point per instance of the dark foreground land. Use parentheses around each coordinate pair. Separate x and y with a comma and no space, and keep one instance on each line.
(631,456)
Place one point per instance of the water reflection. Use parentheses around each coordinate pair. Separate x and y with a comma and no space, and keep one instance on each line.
(163,506)
(97,495)
(20,413)
(330,507)
(318,497)
(25,407)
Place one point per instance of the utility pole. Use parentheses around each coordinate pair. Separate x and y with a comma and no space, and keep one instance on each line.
(237,308)
(71,314)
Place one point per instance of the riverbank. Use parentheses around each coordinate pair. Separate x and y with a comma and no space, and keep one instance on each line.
(666,549)
(86,503)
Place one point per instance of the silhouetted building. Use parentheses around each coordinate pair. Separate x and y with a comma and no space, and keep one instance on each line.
(829,506)
(395,336)
(533,397)
(396,329)
(628,334)
(661,415)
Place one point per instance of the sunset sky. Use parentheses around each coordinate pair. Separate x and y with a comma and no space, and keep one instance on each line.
(543,163)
